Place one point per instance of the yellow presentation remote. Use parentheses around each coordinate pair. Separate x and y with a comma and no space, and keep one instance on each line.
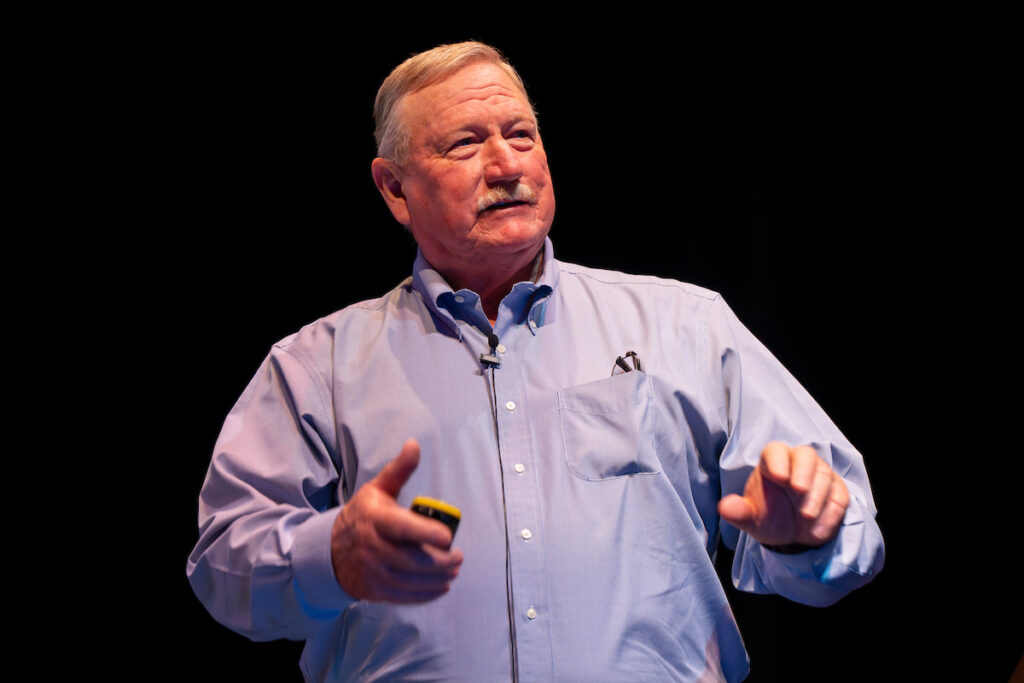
(439,510)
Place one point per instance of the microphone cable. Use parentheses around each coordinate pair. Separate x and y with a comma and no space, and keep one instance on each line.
(492,362)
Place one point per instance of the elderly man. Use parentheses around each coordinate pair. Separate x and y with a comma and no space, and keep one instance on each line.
(599,432)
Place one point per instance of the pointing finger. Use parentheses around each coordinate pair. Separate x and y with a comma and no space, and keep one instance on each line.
(827,524)
(820,490)
(804,461)
(775,462)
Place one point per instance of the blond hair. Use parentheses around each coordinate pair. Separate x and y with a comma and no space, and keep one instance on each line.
(418,72)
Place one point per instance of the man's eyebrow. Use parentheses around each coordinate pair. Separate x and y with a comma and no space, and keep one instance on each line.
(470,125)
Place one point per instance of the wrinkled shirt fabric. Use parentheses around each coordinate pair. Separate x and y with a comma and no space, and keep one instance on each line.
(611,482)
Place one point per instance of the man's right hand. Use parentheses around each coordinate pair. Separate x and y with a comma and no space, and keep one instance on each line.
(384,552)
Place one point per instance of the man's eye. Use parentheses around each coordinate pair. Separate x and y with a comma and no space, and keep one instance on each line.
(464,142)
(523,139)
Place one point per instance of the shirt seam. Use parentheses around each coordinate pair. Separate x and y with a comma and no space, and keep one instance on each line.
(318,381)
(704,368)
(651,280)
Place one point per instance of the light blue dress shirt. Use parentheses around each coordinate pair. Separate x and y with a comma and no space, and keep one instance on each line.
(611,482)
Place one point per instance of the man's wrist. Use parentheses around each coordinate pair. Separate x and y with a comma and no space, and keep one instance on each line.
(789,548)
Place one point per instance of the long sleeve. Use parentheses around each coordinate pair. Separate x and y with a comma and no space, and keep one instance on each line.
(608,484)
(759,402)
(262,565)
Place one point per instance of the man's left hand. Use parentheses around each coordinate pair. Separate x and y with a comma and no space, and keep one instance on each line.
(791,497)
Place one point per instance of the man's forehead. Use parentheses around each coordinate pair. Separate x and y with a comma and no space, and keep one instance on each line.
(479,85)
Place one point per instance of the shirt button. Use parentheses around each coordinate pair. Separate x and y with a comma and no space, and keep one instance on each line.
(501,348)
(459,299)
(531,613)
(533,324)
(519,467)
(511,405)
(526,534)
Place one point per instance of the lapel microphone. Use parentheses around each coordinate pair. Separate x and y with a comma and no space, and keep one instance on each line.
(490,359)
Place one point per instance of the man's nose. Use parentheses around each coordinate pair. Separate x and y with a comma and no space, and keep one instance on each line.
(502,161)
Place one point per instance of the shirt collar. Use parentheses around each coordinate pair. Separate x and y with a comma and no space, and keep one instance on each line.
(526,304)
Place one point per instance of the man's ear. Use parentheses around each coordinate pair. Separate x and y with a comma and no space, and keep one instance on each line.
(387,176)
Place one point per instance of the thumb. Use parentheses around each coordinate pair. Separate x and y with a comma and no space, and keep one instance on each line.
(738,511)
(392,478)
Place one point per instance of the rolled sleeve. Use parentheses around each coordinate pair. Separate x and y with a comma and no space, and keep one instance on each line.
(818,577)
(760,402)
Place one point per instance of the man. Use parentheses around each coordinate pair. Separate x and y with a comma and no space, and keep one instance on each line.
(599,432)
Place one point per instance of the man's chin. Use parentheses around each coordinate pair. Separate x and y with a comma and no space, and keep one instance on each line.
(513,237)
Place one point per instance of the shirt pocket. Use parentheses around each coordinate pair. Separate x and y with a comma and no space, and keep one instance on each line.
(608,427)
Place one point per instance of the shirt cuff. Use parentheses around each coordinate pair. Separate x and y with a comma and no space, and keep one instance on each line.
(821,576)
(312,566)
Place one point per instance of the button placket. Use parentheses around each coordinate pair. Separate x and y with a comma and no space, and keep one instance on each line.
(527,558)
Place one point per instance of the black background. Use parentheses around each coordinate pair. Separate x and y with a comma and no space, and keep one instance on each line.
(184,190)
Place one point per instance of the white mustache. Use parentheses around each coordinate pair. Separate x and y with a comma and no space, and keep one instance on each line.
(501,193)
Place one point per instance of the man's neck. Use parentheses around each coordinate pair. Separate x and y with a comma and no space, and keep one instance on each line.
(492,290)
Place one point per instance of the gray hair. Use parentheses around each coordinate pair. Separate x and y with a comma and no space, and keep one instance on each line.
(418,72)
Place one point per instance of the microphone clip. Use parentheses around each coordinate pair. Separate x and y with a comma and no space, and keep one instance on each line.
(489,359)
